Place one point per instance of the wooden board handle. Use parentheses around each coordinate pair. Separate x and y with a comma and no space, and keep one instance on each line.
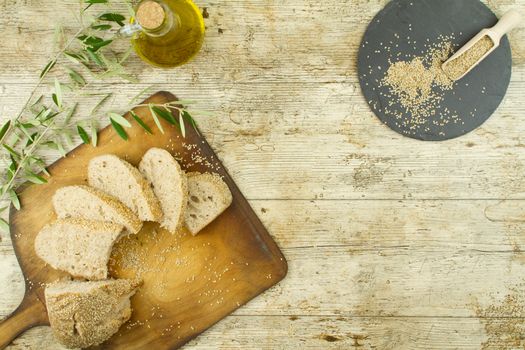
(29,314)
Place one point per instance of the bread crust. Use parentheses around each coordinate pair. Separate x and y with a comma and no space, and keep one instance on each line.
(84,314)
(130,220)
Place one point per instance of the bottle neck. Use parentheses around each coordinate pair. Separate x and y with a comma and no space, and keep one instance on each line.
(169,23)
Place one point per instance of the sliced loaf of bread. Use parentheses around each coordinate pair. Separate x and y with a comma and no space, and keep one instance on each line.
(123,181)
(79,247)
(169,185)
(208,197)
(89,203)
(84,314)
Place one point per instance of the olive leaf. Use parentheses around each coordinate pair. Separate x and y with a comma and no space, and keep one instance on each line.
(47,68)
(93,42)
(4,129)
(100,103)
(101,27)
(165,114)
(60,148)
(77,58)
(120,119)
(141,122)
(70,114)
(119,129)
(92,2)
(14,199)
(76,77)
(94,133)
(4,226)
(135,98)
(94,57)
(11,151)
(57,96)
(190,119)
(155,118)
(83,134)
(181,124)
(34,178)
(31,138)
(113,17)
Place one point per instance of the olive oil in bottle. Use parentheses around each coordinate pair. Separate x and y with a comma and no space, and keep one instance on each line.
(172,32)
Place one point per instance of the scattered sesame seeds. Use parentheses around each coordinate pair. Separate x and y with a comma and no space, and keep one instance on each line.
(416,88)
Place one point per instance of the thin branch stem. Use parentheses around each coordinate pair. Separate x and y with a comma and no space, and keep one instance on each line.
(40,80)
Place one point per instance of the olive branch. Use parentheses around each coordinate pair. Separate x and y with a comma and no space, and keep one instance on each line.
(50,121)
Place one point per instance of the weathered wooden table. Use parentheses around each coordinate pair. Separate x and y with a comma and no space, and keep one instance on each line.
(392,243)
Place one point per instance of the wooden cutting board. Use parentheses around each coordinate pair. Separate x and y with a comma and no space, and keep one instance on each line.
(190,283)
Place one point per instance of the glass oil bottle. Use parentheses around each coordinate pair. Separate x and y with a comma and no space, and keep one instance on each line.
(170,32)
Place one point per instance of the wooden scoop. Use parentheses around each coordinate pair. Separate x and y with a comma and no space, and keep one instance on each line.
(478,48)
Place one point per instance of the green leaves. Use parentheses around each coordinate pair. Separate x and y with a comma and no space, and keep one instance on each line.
(165,114)
(119,129)
(77,57)
(4,226)
(190,119)
(135,98)
(155,118)
(11,170)
(56,145)
(101,27)
(113,17)
(76,77)
(94,133)
(141,122)
(92,2)
(57,96)
(94,43)
(182,126)
(100,103)
(11,151)
(70,114)
(162,111)
(48,122)
(94,57)
(47,68)
(14,199)
(83,134)
(31,138)
(117,121)
(34,178)
(120,119)
(4,129)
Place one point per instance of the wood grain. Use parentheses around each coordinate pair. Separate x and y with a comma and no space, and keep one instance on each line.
(189,283)
(290,123)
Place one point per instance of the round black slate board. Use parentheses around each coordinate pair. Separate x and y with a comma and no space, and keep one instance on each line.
(474,98)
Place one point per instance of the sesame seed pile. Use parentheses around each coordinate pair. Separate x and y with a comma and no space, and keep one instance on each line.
(456,68)
(418,85)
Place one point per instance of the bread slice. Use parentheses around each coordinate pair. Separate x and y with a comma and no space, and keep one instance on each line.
(89,203)
(123,181)
(208,197)
(169,185)
(84,314)
(79,247)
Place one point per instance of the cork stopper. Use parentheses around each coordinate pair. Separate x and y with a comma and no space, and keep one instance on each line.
(150,15)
